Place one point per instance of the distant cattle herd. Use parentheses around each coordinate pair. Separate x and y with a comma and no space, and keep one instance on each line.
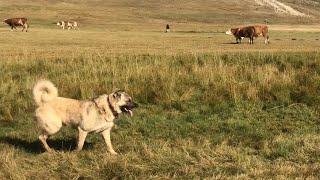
(68,24)
(13,22)
(239,33)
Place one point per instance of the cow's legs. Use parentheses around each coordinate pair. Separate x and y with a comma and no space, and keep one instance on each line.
(13,26)
(266,39)
(25,26)
(250,39)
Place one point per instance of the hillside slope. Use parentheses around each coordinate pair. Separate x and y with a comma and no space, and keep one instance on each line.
(101,12)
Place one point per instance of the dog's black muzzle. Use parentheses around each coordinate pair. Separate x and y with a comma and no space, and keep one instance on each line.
(127,108)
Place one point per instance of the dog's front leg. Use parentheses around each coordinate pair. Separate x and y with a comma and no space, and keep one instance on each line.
(81,138)
(106,136)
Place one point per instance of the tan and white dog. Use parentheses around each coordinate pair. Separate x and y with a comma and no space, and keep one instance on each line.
(97,115)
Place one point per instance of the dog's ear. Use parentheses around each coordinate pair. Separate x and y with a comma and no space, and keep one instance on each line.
(117,94)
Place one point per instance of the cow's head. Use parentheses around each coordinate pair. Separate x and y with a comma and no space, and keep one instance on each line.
(60,23)
(233,31)
(228,32)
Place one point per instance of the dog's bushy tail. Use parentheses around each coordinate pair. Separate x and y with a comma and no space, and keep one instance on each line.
(44,91)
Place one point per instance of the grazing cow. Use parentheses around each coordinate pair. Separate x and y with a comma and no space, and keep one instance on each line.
(13,22)
(68,24)
(243,32)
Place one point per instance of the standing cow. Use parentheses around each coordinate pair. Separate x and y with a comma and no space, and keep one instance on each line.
(13,22)
(248,32)
(262,31)
(240,33)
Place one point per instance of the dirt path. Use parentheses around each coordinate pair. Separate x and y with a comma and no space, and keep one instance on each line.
(301,28)
(280,7)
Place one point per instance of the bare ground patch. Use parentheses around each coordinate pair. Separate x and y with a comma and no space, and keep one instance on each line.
(280,7)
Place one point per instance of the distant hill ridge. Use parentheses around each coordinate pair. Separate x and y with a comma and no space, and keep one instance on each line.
(102,12)
(280,7)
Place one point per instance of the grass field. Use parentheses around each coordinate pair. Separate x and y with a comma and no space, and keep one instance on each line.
(209,108)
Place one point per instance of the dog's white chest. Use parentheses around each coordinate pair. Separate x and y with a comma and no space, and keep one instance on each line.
(96,126)
(103,126)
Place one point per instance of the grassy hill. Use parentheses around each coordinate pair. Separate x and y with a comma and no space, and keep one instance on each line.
(112,13)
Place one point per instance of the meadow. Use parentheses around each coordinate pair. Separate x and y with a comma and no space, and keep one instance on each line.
(209,108)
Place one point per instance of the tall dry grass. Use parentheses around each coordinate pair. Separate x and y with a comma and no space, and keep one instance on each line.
(174,81)
(236,115)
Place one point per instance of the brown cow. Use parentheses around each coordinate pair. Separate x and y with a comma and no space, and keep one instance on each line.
(244,32)
(13,22)
(262,31)
(241,33)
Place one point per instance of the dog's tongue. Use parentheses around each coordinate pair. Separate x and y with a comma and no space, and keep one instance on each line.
(130,112)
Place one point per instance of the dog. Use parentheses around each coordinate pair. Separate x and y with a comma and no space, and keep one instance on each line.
(97,115)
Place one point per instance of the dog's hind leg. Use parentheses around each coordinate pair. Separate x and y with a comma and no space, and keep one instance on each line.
(81,138)
(48,130)
(49,124)
(43,139)
(107,139)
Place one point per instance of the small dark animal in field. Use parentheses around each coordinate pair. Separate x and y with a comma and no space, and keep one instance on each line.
(167,28)
(13,22)
(293,39)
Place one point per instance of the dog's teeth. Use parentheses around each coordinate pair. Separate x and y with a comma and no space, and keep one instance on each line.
(130,112)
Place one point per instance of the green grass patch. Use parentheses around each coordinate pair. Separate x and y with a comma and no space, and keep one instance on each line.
(201,115)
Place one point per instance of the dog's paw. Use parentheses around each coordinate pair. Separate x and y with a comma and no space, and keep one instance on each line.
(112,152)
(50,150)
(78,149)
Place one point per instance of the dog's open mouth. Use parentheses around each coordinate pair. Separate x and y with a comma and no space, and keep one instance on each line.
(127,110)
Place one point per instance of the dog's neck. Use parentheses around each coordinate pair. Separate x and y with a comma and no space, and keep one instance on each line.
(114,112)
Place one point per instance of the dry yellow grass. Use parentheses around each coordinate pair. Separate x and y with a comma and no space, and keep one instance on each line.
(54,42)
